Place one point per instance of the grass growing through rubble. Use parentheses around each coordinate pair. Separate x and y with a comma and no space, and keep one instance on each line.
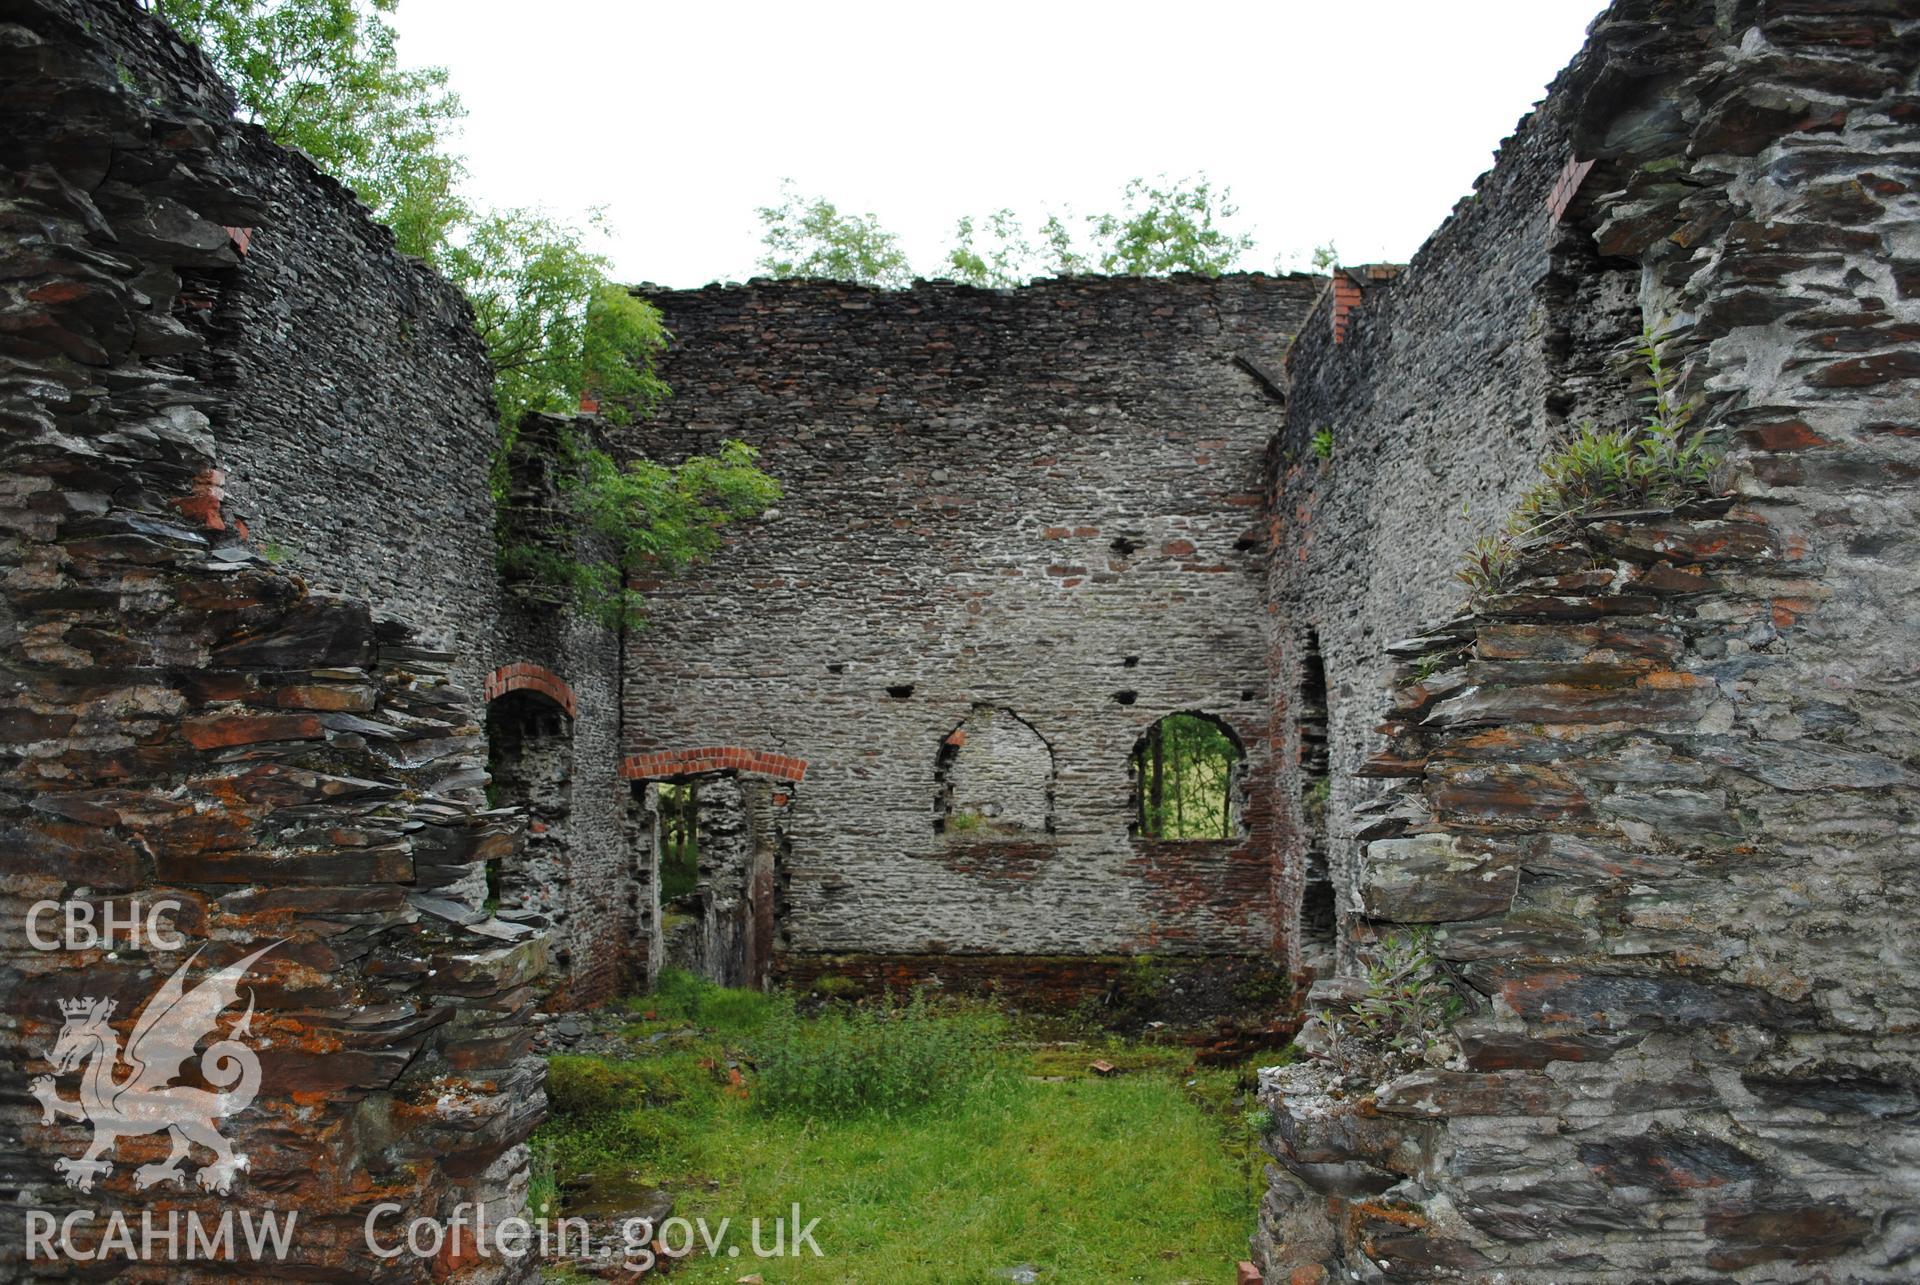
(935,1141)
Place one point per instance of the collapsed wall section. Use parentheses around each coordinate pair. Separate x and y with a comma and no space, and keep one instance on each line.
(198,742)
(1651,797)
(1024,519)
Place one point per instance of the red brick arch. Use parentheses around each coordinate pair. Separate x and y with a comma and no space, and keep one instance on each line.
(525,676)
(712,758)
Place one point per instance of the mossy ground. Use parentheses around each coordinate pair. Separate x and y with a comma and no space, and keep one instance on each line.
(1148,1173)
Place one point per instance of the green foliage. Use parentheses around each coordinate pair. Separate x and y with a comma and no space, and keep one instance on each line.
(1003,258)
(646,516)
(940,1193)
(834,985)
(1183,777)
(1136,994)
(1405,1018)
(679,811)
(1491,563)
(543,1187)
(685,504)
(809,237)
(1313,804)
(1261,988)
(1169,226)
(964,822)
(1161,227)
(324,76)
(881,1057)
(1322,443)
(1655,463)
(688,997)
(595,1086)
(553,324)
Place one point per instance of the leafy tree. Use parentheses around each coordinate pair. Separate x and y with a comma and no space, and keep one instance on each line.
(684,506)
(810,237)
(1183,769)
(1160,228)
(1164,227)
(1005,259)
(323,76)
(553,322)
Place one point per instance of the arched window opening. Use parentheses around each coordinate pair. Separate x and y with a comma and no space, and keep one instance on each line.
(1318,930)
(1185,773)
(993,775)
(530,765)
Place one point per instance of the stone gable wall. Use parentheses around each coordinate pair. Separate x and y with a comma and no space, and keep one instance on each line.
(1045,502)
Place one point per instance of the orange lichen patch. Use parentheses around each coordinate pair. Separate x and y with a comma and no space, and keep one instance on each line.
(1787,611)
(1366,1210)
(352,699)
(1675,680)
(1787,435)
(202,503)
(222,731)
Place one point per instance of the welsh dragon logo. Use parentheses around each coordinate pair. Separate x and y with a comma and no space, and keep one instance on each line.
(145,1100)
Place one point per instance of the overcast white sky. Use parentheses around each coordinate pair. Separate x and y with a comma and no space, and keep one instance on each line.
(1355,121)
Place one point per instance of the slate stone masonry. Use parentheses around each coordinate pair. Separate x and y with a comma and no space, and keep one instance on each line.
(1654,798)
(187,721)
(1037,507)
(356,429)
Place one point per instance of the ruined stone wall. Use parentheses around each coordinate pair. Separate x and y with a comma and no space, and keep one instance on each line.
(1652,797)
(1440,396)
(189,722)
(356,430)
(1042,503)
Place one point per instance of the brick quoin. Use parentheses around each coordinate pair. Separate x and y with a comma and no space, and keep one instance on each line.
(525,676)
(1346,298)
(712,758)
(1566,187)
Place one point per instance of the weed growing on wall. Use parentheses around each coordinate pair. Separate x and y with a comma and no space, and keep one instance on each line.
(1405,1018)
(1655,464)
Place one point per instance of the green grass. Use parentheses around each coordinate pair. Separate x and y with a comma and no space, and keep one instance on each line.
(1148,1174)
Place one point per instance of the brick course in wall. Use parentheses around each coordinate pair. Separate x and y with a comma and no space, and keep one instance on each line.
(525,676)
(714,758)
